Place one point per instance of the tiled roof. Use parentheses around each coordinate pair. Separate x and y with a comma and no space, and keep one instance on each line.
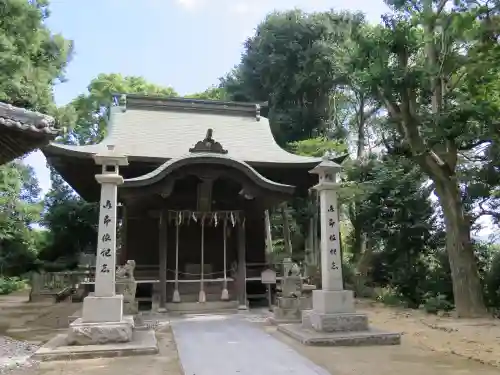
(22,131)
(168,128)
(22,119)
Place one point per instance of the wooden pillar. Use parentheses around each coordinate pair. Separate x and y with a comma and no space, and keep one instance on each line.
(225,292)
(242,268)
(123,235)
(177,297)
(163,259)
(202,298)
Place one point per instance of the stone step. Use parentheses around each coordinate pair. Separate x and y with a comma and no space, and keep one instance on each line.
(196,307)
(193,297)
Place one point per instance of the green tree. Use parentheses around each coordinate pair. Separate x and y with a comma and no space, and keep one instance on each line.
(418,65)
(32,59)
(20,208)
(393,207)
(212,93)
(288,62)
(72,225)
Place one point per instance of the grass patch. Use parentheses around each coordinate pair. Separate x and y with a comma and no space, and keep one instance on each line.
(11,284)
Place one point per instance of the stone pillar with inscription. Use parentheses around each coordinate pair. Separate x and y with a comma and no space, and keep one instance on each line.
(332,299)
(333,320)
(102,318)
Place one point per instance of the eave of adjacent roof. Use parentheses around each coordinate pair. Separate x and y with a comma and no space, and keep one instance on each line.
(27,121)
(22,131)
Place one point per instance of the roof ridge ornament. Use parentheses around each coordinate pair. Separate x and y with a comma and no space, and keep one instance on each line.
(208,145)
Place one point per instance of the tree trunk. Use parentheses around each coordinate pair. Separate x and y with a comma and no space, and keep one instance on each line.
(269,238)
(361,128)
(286,232)
(365,260)
(360,237)
(467,289)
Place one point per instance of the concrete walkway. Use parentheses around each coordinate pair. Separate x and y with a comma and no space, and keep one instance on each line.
(232,345)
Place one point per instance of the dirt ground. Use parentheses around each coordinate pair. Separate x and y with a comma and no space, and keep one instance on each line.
(35,322)
(475,339)
(430,344)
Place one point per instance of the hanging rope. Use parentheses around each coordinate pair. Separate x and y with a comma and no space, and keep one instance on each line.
(211,218)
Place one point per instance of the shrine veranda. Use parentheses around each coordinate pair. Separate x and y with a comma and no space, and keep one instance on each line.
(199,178)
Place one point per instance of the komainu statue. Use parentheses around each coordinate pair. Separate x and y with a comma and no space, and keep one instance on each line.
(127,286)
(292,279)
(126,271)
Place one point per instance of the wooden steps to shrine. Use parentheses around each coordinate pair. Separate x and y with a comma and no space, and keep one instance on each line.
(212,307)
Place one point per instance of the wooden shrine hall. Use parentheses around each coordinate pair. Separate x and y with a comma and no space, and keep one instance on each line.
(200,176)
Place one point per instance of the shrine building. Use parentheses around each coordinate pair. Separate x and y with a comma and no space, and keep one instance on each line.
(199,178)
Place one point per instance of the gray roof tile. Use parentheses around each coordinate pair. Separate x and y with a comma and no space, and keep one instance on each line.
(22,119)
(169,131)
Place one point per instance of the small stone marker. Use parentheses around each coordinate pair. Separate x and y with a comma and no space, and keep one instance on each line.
(268,276)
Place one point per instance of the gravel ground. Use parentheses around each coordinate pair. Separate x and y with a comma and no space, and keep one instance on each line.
(15,354)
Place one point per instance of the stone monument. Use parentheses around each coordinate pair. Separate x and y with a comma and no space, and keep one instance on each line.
(127,286)
(102,318)
(333,320)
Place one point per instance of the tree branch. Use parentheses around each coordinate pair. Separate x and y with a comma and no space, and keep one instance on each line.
(440,7)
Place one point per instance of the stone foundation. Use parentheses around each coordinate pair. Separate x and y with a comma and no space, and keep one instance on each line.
(334,322)
(361,338)
(83,333)
(289,309)
(142,343)
(349,322)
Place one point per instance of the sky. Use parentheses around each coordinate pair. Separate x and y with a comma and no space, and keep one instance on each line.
(186,44)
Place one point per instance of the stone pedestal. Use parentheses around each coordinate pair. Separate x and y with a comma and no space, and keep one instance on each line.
(84,333)
(102,309)
(288,309)
(333,302)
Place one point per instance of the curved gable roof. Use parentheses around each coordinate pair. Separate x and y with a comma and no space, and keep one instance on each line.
(206,158)
(167,128)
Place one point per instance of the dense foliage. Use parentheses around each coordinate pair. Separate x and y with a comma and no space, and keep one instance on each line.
(412,101)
